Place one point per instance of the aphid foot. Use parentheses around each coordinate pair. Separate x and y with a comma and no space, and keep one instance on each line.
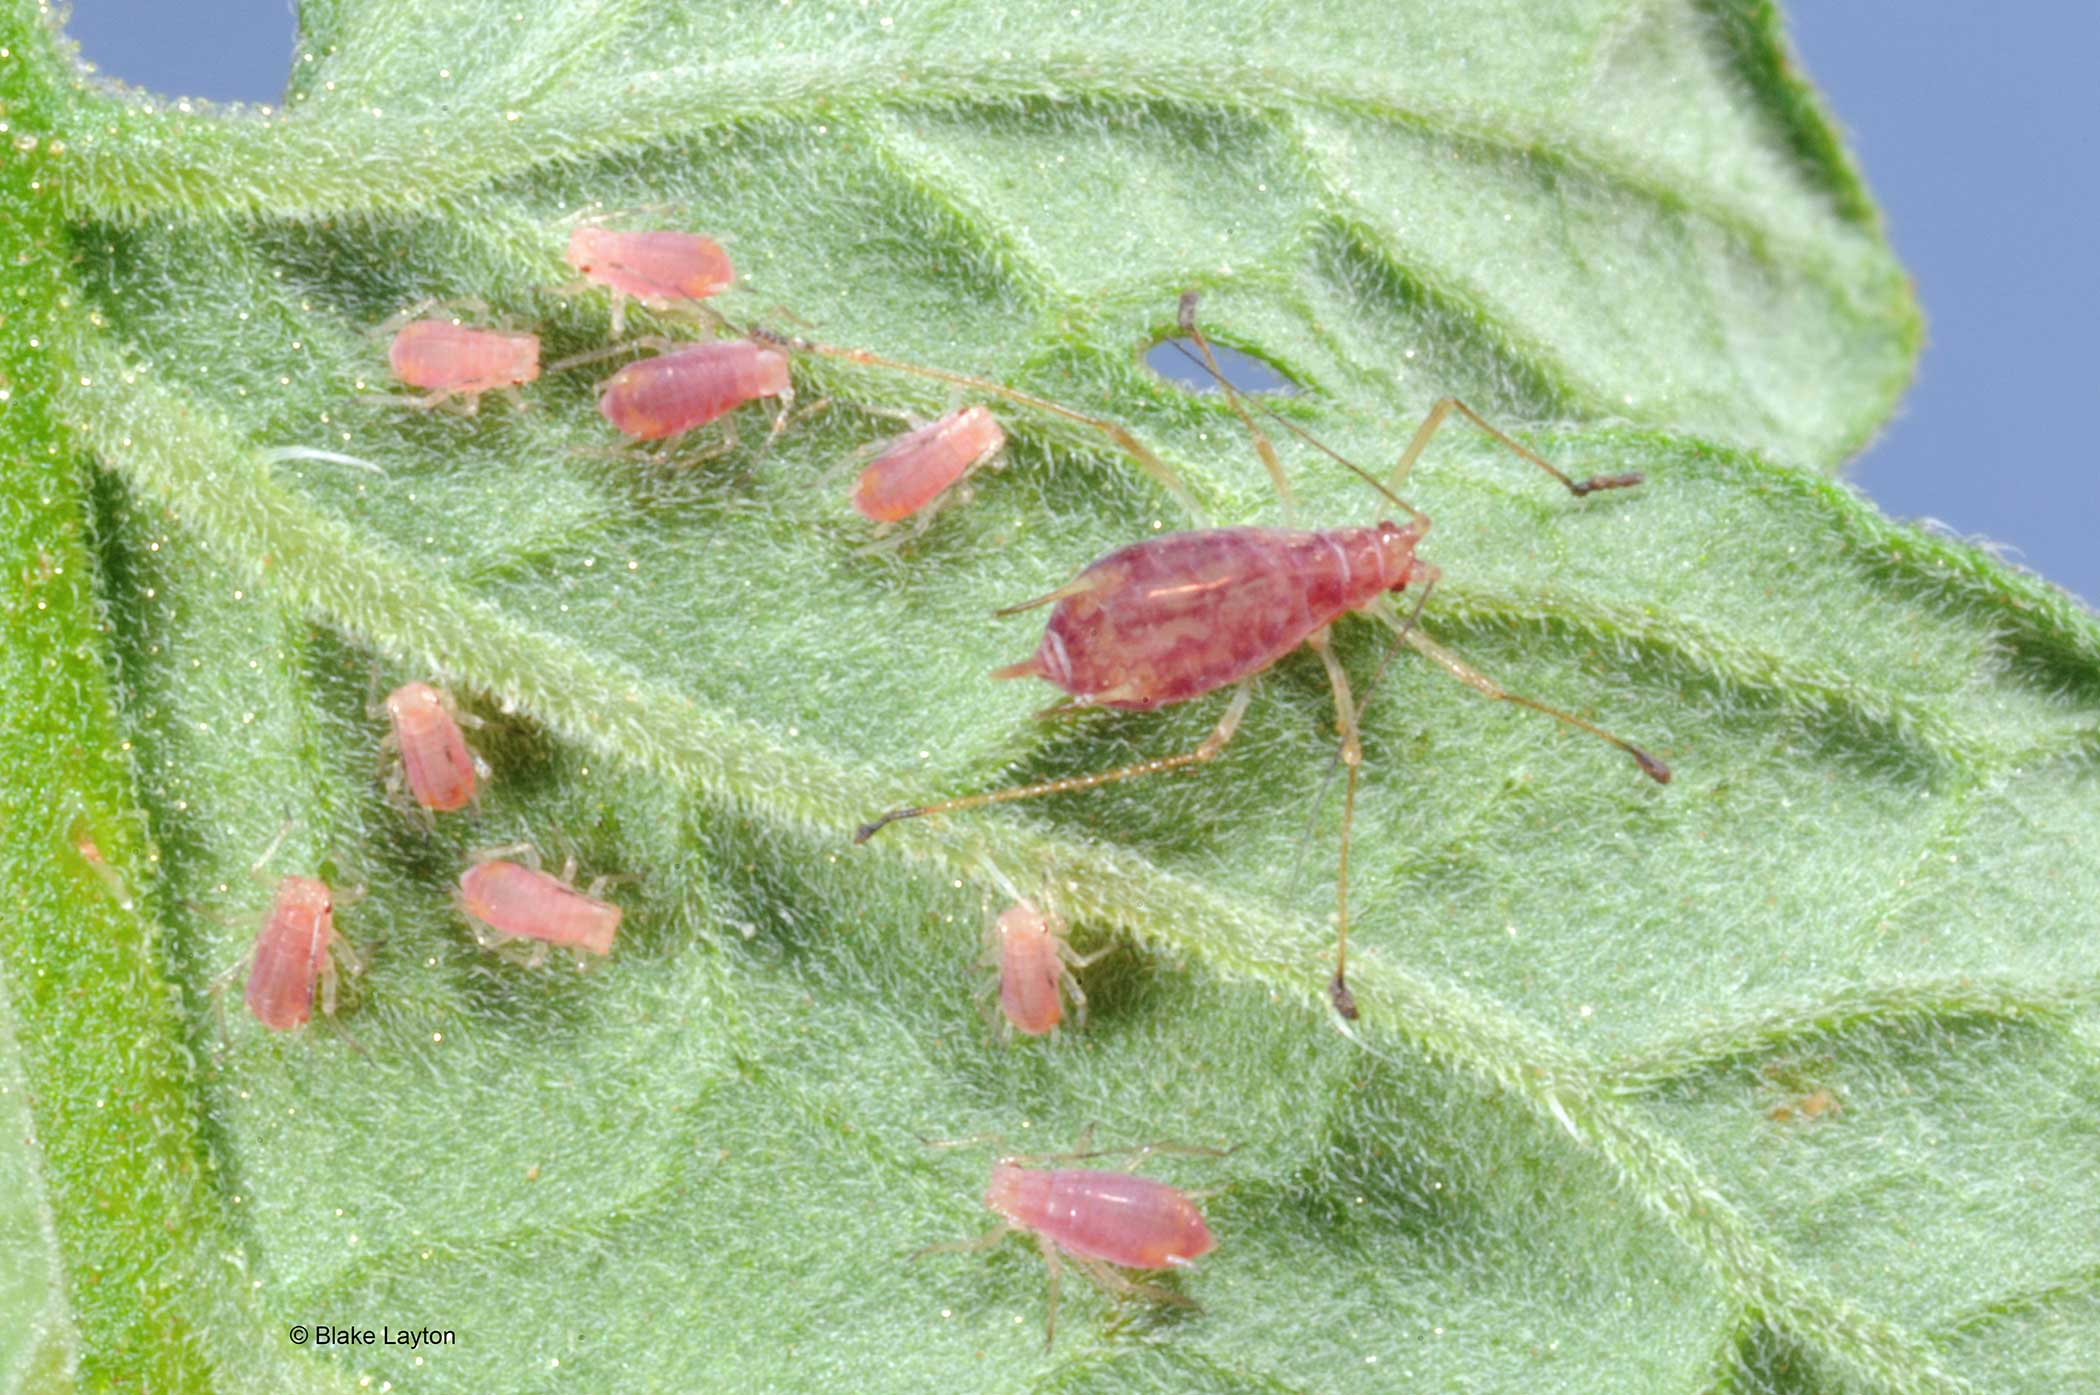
(869,830)
(1344,1000)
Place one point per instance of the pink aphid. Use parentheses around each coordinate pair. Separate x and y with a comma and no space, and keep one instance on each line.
(1116,1217)
(1173,617)
(519,902)
(920,466)
(435,760)
(672,393)
(454,360)
(291,953)
(658,269)
(1035,969)
(1095,1221)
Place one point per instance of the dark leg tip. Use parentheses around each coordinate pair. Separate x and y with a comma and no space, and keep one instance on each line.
(1597,482)
(1651,767)
(1344,1000)
(869,830)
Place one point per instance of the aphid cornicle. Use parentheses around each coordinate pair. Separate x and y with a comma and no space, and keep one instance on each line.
(515,901)
(1183,614)
(291,954)
(658,268)
(455,361)
(1095,1221)
(436,764)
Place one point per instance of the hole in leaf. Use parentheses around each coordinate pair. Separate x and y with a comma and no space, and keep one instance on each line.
(1180,362)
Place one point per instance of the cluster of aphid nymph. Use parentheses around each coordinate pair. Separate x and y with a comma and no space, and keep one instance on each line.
(1160,621)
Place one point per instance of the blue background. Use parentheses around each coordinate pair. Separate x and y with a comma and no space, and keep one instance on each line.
(1975,127)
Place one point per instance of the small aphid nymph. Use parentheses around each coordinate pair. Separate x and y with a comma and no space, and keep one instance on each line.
(1027,946)
(656,398)
(456,363)
(916,469)
(1098,1222)
(436,764)
(518,901)
(659,269)
(291,954)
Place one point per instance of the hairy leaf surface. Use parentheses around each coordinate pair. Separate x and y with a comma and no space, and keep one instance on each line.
(1780,1077)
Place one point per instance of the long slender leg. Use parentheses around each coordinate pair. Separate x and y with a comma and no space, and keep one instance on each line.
(1109,1281)
(1262,445)
(1473,678)
(1129,444)
(964,1247)
(1445,406)
(1352,756)
(1212,744)
(1056,1273)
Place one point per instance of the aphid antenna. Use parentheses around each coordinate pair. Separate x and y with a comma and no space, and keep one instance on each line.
(1261,441)
(278,454)
(661,343)
(1124,440)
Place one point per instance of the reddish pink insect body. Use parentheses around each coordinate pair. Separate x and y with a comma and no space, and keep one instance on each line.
(1173,617)
(454,359)
(921,465)
(655,268)
(290,953)
(1031,973)
(434,754)
(1113,1216)
(525,903)
(675,392)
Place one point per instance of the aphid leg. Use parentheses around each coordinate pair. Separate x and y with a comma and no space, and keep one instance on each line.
(1049,1250)
(1352,757)
(1473,678)
(526,853)
(1262,445)
(964,1247)
(1212,744)
(1127,443)
(1121,1286)
(658,342)
(1446,405)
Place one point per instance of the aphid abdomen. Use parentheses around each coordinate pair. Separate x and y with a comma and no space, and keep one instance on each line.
(1031,976)
(1114,1216)
(920,466)
(290,953)
(675,392)
(434,755)
(526,903)
(446,357)
(653,267)
(1173,617)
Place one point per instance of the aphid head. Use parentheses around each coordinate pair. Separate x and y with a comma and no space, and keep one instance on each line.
(308,894)
(585,245)
(1396,546)
(412,698)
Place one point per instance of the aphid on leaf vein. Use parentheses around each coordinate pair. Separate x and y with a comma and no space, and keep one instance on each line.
(661,270)
(455,363)
(1180,615)
(436,764)
(1098,1222)
(518,901)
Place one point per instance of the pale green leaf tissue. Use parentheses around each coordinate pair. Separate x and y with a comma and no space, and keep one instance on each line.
(1780,1078)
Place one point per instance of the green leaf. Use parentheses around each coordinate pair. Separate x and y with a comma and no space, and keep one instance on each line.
(1775,1078)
